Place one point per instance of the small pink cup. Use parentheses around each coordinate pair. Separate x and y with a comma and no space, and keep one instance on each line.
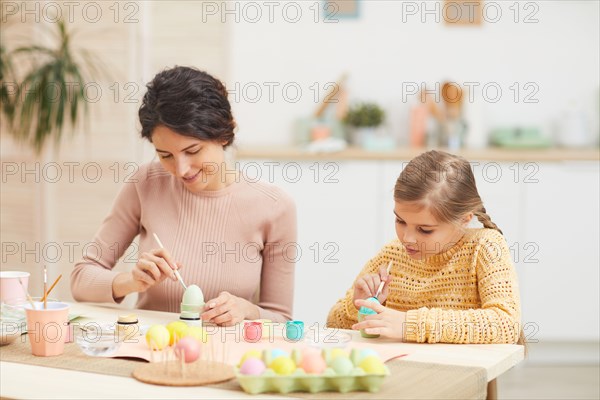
(47,328)
(10,288)
(252,331)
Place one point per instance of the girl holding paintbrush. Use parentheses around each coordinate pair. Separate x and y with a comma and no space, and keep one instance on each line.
(218,229)
(447,283)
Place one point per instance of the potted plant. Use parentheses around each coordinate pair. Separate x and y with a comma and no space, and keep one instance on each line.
(363,120)
(50,93)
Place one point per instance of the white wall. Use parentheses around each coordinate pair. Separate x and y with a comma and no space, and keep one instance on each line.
(559,54)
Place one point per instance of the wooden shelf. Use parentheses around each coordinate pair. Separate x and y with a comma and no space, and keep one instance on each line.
(487,154)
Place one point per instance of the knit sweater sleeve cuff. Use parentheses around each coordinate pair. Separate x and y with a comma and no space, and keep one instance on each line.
(411,327)
(351,312)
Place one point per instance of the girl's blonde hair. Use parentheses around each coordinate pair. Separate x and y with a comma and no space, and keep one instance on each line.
(444,183)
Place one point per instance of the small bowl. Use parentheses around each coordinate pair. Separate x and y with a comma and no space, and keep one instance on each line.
(98,342)
(9,332)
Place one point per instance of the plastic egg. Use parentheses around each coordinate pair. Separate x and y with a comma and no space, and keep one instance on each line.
(189,348)
(283,365)
(158,337)
(313,363)
(250,354)
(177,330)
(253,366)
(342,365)
(372,365)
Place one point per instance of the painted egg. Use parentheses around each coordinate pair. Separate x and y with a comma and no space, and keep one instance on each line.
(335,353)
(364,353)
(277,353)
(313,363)
(253,366)
(177,330)
(250,354)
(189,348)
(372,365)
(342,365)
(158,337)
(283,365)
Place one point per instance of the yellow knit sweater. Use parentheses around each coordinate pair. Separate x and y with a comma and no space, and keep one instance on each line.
(467,294)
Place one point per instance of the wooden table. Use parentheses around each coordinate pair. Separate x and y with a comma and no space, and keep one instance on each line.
(30,381)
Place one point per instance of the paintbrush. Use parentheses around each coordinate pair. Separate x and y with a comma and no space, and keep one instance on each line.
(46,294)
(380,288)
(27,295)
(179,278)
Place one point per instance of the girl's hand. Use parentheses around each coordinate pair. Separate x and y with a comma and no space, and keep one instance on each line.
(387,322)
(228,310)
(366,286)
(152,268)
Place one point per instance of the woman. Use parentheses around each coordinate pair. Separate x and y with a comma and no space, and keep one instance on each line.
(225,233)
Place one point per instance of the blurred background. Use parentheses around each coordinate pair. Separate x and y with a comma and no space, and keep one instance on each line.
(332,99)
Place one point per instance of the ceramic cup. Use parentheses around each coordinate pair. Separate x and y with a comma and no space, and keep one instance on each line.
(294,330)
(10,288)
(252,331)
(47,329)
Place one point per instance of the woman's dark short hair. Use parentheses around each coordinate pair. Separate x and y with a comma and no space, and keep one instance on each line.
(190,102)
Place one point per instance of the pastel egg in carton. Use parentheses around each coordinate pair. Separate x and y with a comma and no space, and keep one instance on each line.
(311,370)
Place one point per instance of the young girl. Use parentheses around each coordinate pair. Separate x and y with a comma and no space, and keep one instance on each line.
(448,283)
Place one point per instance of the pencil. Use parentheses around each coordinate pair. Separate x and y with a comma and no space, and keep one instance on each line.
(46,294)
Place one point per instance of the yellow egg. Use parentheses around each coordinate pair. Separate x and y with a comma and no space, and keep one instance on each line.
(251,354)
(283,365)
(372,365)
(335,353)
(197,333)
(158,337)
(177,330)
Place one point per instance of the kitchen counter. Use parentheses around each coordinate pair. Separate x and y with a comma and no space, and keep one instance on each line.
(488,154)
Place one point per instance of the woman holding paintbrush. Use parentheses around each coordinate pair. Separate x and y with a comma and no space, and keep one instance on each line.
(217,229)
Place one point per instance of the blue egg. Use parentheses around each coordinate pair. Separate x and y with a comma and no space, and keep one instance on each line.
(368,352)
(369,311)
(277,353)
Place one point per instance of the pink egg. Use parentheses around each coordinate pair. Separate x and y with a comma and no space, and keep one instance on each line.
(190,348)
(252,366)
(313,363)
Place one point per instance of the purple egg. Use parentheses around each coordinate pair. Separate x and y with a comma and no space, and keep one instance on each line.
(252,366)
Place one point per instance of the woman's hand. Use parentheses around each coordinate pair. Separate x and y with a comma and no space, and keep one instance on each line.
(387,322)
(366,286)
(152,268)
(228,310)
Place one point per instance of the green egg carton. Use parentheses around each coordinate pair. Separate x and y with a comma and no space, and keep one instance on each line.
(312,383)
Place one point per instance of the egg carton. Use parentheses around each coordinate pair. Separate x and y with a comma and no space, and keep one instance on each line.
(255,384)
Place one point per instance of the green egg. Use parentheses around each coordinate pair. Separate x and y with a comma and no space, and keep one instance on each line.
(342,365)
